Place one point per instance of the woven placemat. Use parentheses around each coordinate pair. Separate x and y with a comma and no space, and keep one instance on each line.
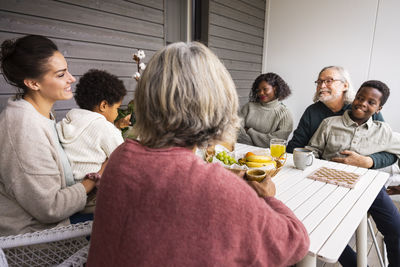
(336,177)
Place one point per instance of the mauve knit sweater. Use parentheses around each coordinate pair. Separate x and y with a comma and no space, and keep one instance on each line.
(166,207)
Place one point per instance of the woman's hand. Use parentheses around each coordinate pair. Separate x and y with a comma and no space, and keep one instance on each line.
(355,159)
(123,122)
(264,189)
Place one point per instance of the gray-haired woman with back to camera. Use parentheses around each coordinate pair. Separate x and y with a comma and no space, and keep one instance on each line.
(161,205)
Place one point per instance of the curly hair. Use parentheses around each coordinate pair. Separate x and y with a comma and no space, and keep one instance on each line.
(98,85)
(380,86)
(282,89)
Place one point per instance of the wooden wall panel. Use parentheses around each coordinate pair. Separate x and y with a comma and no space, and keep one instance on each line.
(240,65)
(256,3)
(158,4)
(229,12)
(17,23)
(245,7)
(238,55)
(236,35)
(90,51)
(81,15)
(234,45)
(243,85)
(233,24)
(103,34)
(100,34)
(123,8)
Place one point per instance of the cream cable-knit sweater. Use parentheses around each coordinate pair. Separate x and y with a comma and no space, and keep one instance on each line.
(88,139)
(264,122)
(33,192)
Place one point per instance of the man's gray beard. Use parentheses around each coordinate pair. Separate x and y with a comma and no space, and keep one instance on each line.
(329,98)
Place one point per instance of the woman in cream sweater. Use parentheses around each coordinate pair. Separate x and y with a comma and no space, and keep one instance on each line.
(37,190)
(265,117)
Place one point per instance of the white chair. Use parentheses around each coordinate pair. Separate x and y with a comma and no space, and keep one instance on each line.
(78,259)
(45,248)
(3,260)
(381,258)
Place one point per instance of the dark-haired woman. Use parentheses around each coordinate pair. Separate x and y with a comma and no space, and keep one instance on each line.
(36,182)
(265,117)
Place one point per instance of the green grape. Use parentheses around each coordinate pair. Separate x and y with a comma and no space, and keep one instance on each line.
(225,158)
(220,155)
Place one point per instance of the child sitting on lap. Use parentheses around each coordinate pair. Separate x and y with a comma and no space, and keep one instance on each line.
(355,130)
(88,135)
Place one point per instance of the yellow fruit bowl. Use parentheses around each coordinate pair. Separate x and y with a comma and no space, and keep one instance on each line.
(278,167)
(263,162)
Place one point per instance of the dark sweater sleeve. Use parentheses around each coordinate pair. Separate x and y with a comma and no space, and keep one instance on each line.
(382,159)
(302,134)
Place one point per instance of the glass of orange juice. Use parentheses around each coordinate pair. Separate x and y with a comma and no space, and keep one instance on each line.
(277,147)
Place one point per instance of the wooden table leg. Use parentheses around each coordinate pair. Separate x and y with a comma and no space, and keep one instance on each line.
(308,261)
(361,238)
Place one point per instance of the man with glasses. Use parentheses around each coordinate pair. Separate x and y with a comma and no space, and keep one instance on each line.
(334,95)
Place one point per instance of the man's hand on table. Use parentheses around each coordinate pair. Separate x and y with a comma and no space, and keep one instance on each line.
(355,159)
(264,189)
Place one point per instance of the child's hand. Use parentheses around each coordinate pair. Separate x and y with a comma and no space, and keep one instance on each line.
(355,159)
(123,122)
(95,177)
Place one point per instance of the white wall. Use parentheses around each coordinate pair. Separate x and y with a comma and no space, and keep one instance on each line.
(385,61)
(360,35)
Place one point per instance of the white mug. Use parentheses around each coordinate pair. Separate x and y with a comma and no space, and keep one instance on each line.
(302,158)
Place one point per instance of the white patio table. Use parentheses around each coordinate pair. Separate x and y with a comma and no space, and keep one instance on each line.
(330,213)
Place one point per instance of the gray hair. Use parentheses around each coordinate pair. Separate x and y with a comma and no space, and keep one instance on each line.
(185,97)
(345,77)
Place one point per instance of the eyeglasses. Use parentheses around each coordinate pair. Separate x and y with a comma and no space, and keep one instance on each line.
(327,82)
